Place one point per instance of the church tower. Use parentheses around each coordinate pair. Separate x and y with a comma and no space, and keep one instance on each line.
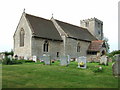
(94,26)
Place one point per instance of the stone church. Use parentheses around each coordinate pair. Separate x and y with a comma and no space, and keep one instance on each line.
(35,36)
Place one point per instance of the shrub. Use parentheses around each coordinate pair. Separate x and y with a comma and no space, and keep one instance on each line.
(29,61)
(8,61)
(98,69)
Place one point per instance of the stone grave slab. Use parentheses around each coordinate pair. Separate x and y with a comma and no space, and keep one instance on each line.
(82,62)
(46,59)
(104,60)
(10,57)
(64,60)
(116,66)
(35,58)
(25,58)
(68,59)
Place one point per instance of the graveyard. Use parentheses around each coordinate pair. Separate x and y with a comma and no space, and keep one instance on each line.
(57,75)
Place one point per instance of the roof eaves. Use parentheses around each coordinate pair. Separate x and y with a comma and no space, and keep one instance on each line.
(79,39)
(34,36)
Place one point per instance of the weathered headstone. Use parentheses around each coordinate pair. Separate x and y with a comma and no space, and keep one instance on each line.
(68,59)
(116,66)
(10,57)
(25,58)
(82,62)
(46,59)
(3,57)
(104,60)
(64,60)
(35,58)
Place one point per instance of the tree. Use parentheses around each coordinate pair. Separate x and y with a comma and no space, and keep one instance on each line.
(113,53)
(9,53)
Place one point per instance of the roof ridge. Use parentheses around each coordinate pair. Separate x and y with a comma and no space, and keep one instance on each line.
(38,17)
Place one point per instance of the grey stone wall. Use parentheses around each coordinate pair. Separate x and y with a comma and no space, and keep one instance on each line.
(26,49)
(71,48)
(53,48)
(93,27)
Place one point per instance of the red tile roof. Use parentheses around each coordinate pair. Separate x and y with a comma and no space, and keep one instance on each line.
(95,45)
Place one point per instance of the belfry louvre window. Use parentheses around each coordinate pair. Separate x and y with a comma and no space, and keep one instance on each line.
(45,46)
(78,47)
(22,35)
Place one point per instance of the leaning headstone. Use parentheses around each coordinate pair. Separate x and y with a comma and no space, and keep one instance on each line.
(116,66)
(104,60)
(63,60)
(82,62)
(35,58)
(46,59)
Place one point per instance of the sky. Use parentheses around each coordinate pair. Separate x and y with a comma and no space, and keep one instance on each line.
(70,11)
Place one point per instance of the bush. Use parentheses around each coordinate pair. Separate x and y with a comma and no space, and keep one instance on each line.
(8,61)
(29,61)
(98,69)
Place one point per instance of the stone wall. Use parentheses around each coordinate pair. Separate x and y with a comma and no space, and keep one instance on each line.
(93,27)
(26,49)
(71,48)
(53,48)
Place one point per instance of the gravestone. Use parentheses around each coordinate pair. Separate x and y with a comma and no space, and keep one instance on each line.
(82,62)
(10,57)
(64,60)
(35,58)
(30,58)
(25,58)
(104,60)
(68,59)
(116,66)
(3,56)
(46,59)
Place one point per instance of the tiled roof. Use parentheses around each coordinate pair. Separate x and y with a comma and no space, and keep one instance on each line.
(43,28)
(76,31)
(95,45)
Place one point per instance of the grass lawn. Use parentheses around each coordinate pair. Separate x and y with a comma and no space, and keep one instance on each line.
(37,75)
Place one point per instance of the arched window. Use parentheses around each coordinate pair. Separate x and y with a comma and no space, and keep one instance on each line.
(78,47)
(45,46)
(22,33)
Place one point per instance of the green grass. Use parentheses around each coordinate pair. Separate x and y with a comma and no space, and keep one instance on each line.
(37,75)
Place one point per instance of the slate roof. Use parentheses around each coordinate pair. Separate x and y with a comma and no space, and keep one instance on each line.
(95,45)
(43,28)
(76,31)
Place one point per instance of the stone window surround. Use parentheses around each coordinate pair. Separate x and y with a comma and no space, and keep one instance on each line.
(45,46)
(22,35)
